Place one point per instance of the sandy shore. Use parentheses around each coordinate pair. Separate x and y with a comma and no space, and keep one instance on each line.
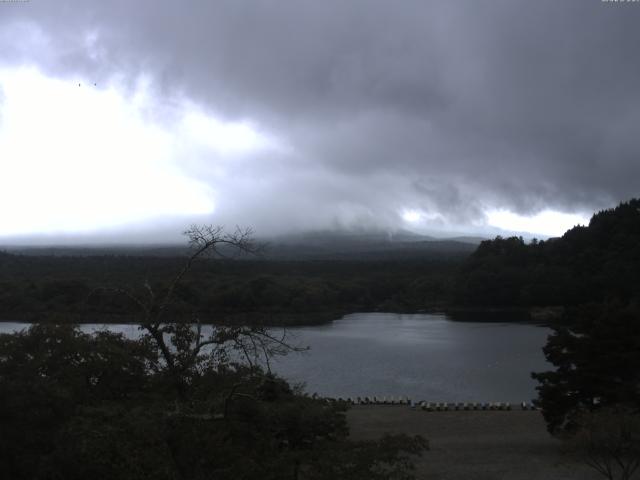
(475,445)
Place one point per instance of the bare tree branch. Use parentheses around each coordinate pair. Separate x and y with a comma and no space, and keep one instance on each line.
(181,346)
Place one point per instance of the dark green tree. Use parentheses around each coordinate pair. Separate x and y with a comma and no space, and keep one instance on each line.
(50,372)
(77,406)
(597,358)
(587,264)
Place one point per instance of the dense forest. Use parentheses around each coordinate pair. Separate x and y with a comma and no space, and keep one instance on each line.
(59,288)
(587,264)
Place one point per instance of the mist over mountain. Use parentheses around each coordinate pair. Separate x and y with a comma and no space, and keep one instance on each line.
(310,245)
(371,245)
(450,117)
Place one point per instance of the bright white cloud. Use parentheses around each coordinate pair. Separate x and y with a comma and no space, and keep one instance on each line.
(548,222)
(411,216)
(225,138)
(78,157)
(417,217)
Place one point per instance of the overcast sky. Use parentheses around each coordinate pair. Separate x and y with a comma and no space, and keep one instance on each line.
(122,117)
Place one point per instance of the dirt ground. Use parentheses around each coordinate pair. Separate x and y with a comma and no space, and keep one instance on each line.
(475,445)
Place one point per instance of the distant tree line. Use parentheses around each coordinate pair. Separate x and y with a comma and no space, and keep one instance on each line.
(46,288)
(587,264)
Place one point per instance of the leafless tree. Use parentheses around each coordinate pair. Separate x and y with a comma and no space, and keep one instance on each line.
(609,440)
(181,345)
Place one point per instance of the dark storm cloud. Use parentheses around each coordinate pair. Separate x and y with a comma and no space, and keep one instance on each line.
(449,107)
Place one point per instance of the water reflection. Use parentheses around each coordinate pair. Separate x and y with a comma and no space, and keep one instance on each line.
(423,356)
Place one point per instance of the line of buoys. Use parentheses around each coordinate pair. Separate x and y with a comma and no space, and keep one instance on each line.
(429,406)
(467,406)
(375,400)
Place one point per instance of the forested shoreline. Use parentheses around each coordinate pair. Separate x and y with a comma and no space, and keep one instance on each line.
(62,289)
(504,276)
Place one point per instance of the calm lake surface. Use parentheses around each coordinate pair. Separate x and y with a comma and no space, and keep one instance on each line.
(423,356)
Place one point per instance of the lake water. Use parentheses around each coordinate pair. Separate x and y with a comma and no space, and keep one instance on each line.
(423,356)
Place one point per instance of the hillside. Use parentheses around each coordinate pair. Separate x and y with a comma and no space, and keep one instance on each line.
(326,245)
(587,264)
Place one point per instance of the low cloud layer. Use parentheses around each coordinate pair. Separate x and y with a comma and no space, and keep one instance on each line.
(362,111)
